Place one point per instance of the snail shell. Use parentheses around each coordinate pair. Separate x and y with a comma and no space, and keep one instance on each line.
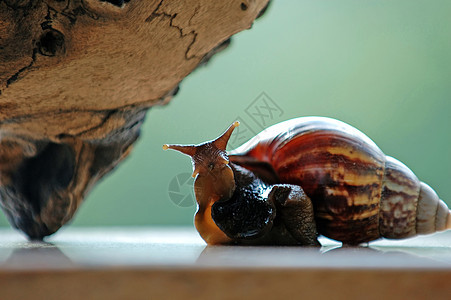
(359,194)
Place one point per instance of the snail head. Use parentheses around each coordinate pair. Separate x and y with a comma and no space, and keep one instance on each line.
(208,158)
(215,181)
(214,177)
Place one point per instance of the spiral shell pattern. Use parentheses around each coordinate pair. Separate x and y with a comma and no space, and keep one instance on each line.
(358,193)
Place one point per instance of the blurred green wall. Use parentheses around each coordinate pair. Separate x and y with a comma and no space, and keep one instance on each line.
(382,66)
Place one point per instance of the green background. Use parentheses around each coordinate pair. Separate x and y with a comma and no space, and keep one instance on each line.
(381,66)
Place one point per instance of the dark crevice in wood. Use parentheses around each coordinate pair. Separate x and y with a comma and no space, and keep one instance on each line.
(156,14)
(51,43)
(52,167)
(71,11)
(18,4)
(14,78)
(101,124)
(36,184)
(119,3)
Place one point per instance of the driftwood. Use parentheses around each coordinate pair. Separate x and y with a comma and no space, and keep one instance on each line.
(76,80)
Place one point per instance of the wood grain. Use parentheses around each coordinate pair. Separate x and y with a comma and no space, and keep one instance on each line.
(175,263)
(227,284)
(76,80)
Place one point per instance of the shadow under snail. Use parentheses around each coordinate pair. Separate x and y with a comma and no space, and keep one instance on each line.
(304,177)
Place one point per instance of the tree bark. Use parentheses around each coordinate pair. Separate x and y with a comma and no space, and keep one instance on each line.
(76,80)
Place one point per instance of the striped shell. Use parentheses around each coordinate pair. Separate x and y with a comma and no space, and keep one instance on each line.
(359,194)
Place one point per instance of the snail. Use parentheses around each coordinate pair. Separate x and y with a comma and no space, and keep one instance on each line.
(306,177)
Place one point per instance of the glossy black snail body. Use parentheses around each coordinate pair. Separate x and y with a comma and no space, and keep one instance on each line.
(304,177)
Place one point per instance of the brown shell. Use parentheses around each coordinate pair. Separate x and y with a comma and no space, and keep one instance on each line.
(359,194)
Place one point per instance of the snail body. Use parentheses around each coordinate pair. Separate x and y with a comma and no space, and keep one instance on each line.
(315,175)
